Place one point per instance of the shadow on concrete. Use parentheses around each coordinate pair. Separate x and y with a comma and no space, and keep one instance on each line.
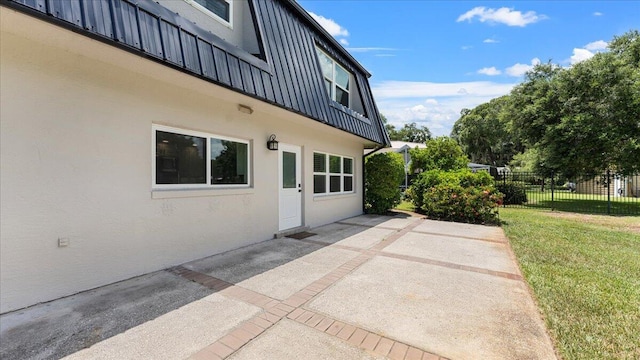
(61,327)
(244,263)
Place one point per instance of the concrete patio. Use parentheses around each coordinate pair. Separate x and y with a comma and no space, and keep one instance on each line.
(369,287)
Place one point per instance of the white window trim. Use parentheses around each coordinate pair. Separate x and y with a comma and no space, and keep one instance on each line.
(208,12)
(332,94)
(208,137)
(342,175)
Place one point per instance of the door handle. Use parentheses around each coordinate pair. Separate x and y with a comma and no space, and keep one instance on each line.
(299,190)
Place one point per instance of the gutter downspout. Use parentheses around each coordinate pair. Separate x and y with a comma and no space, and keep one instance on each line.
(364,188)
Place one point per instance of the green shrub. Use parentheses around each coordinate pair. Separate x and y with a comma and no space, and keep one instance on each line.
(442,153)
(461,196)
(383,174)
(514,193)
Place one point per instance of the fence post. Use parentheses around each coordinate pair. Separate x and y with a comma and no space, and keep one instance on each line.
(504,184)
(608,192)
(553,205)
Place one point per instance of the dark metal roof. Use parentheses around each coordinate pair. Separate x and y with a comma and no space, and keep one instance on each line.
(290,77)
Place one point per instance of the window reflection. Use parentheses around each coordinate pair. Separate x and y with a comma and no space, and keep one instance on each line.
(180,159)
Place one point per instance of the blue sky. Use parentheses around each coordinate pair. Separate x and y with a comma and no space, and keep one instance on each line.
(430,59)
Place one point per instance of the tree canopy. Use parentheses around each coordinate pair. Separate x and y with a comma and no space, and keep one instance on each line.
(578,120)
(441,153)
(409,132)
(484,133)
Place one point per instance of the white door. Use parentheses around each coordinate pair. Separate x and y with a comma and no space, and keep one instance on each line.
(290,186)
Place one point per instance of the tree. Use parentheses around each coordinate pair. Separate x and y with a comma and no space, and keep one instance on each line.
(442,153)
(485,133)
(584,119)
(412,133)
(409,132)
(527,161)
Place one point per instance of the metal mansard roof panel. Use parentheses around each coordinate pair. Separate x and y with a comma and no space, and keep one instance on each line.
(288,76)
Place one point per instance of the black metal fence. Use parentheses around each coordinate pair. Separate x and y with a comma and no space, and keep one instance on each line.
(608,193)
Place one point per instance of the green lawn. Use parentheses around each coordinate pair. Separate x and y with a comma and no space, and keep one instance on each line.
(585,273)
(583,203)
(406,206)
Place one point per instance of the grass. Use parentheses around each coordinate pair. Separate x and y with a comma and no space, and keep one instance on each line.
(583,203)
(406,206)
(584,271)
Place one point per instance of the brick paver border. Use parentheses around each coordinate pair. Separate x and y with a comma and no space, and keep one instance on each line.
(293,307)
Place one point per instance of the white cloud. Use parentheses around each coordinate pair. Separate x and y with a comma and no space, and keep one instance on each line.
(466,47)
(587,52)
(418,89)
(502,15)
(520,69)
(580,55)
(435,105)
(332,27)
(344,42)
(597,13)
(491,71)
(490,41)
(596,45)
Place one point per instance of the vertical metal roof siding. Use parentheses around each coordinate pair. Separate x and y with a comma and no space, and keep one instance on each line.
(290,78)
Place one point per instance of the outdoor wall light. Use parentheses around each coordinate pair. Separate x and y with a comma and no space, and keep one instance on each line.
(245,109)
(272,144)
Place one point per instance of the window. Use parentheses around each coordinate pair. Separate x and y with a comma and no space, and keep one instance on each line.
(336,78)
(218,9)
(332,174)
(192,159)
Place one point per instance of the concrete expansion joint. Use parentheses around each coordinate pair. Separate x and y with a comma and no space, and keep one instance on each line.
(461,237)
(393,237)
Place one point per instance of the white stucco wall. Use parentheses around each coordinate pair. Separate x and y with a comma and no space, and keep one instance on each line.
(75,160)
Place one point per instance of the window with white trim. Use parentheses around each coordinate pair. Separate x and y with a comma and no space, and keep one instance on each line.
(184,158)
(332,174)
(220,10)
(336,78)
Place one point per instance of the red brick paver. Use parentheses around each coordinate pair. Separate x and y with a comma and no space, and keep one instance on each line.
(219,349)
(414,354)
(398,351)
(357,337)
(335,328)
(371,341)
(384,346)
(232,342)
(428,356)
(324,324)
(346,331)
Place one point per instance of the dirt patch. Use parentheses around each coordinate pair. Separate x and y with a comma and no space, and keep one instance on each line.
(629,224)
